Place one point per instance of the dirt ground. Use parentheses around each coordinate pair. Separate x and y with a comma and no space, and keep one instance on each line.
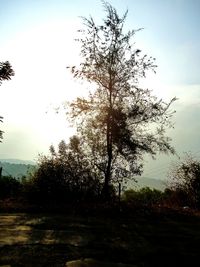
(53,240)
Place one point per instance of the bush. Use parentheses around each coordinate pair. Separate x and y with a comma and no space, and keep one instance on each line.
(185,181)
(9,187)
(64,176)
(143,197)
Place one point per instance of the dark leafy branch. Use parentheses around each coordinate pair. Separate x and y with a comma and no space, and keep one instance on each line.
(6,72)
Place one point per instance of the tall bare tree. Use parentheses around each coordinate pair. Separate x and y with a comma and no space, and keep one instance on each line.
(119,120)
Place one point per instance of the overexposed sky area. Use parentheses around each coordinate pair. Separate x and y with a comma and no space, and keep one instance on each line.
(37,37)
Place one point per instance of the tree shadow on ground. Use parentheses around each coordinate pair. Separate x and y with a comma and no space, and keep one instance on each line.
(53,240)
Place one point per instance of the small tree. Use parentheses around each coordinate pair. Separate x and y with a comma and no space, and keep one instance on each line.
(65,175)
(6,72)
(184,178)
(119,121)
(9,187)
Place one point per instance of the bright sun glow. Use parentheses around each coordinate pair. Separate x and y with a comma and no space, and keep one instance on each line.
(42,82)
(39,57)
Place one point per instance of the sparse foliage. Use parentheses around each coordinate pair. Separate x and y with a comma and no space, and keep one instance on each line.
(119,121)
(184,178)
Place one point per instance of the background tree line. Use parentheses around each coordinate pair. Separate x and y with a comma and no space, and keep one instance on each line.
(65,177)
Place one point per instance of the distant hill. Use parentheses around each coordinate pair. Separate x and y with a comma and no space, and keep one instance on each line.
(147,182)
(18,161)
(16,170)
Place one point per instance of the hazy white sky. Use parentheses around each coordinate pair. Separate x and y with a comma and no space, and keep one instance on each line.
(37,37)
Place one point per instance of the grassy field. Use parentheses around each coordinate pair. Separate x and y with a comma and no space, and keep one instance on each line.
(157,239)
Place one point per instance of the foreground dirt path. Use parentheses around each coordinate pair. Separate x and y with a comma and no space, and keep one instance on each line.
(23,229)
(55,240)
(41,240)
(153,240)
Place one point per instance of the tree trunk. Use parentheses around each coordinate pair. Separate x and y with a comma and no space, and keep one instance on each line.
(109,139)
(106,189)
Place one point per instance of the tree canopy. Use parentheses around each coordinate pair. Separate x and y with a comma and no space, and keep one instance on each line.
(119,121)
